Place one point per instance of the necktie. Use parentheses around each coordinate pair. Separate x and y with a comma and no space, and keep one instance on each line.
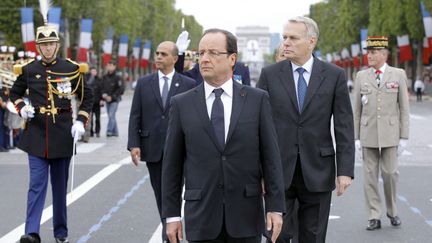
(301,88)
(377,78)
(165,91)
(217,117)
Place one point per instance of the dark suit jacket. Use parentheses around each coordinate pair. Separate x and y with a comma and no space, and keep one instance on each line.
(309,133)
(221,181)
(241,71)
(148,120)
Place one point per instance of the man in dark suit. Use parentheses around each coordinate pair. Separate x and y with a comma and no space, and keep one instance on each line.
(305,93)
(148,119)
(240,74)
(221,142)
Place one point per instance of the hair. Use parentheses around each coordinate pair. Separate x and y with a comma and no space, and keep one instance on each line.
(311,25)
(231,40)
(112,62)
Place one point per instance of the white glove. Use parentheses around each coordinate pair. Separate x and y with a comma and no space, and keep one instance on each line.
(183,42)
(77,130)
(359,148)
(402,146)
(27,112)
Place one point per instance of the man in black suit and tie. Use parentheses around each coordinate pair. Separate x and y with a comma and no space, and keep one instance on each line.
(221,142)
(305,94)
(148,119)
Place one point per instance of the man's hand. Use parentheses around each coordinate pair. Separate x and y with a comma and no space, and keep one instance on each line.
(77,130)
(402,146)
(27,112)
(183,42)
(359,148)
(174,231)
(135,155)
(342,183)
(274,223)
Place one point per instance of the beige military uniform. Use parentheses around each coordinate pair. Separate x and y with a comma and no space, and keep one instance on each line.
(381,119)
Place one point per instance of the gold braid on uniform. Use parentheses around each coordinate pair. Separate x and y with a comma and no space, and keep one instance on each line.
(66,78)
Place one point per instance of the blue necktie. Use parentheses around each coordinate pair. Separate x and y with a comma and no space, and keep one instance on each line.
(217,117)
(165,91)
(301,88)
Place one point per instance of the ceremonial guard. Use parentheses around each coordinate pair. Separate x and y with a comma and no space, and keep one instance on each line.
(48,137)
(381,122)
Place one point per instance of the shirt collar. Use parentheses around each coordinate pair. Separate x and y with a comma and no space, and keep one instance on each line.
(169,75)
(227,87)
(382,68)
(307,66)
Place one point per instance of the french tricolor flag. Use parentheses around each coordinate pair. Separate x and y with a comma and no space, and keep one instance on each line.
(146,54)
(85,39)
(363,38)
(405,51)
(54,17)
(27,29)
(136,52)
(426,51)
(355,51)
(123,51)
(427,22)
(107,47)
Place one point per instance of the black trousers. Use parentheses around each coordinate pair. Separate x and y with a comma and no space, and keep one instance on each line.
(224,237)
(155,172)
(96,111)
(312,213)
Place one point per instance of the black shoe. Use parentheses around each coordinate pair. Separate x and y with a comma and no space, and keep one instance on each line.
(395,221)
(61,240)
(97,135)
(30,238)
(374,224)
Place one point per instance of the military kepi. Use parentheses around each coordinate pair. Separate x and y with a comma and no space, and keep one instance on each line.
(376,43)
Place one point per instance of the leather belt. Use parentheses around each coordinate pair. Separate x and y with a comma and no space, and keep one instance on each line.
(53,111)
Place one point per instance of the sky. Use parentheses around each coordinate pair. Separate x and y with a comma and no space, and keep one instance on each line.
(229,14)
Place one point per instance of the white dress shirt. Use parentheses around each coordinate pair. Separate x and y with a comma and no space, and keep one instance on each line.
(162,81)
(382,69)
(306,75)
(226,97)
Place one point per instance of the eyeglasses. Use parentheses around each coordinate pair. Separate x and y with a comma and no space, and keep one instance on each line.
(211,53)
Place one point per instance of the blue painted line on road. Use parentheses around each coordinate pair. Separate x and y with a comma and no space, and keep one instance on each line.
(108,216)
(414,209)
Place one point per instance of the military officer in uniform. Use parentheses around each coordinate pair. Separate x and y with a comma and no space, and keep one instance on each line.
(381,128)
(49,132)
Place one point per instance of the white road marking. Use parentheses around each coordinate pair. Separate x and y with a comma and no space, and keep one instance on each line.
(417,117)
(157,235)
(334,217)
(407,153)
(430,145)
(78,192)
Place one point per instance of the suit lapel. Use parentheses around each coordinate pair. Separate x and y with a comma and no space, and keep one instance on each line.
(287,79)
(386,76)
(239,97)
(315,81)
(156,90)
(201,107)
(173,90)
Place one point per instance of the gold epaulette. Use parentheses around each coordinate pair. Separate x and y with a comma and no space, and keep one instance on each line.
(17,68)
(82,67)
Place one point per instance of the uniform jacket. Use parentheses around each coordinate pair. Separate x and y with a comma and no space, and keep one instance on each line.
(42,136)
(308,134)
(221,180)
(382,118)
(148,120)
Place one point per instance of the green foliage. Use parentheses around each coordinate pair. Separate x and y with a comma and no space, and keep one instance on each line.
(155,20)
